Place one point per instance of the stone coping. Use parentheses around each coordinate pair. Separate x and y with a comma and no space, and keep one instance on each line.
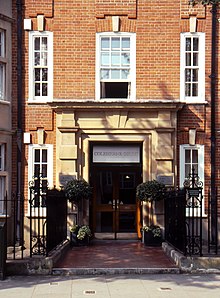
(188,264)
(45,265)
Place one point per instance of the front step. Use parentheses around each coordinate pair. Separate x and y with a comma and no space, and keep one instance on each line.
(113,271)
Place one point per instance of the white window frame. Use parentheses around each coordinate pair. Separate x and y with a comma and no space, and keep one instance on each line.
(3,62)
(32,36)
(3,179)
(49,177)
(201,67)
(201,165)
(132,79)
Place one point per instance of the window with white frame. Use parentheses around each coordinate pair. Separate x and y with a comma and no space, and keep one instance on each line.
(192,67)
(40,166)
(192,157)
(40,66)
(2,64)
(2,179)
(116,66)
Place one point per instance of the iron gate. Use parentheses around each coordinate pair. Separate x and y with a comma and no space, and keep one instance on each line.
(183,216)
(48,217)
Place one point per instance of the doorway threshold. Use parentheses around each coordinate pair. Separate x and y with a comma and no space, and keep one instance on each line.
(117,236)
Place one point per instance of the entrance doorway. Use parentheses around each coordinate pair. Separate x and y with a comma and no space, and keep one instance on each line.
(114,208)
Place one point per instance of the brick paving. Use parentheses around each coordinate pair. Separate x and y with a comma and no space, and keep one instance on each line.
(115,254)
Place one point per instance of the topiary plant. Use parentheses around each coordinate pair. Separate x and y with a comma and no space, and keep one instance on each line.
(150,191)
(77,190)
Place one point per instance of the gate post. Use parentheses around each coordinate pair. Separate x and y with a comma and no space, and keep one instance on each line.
(3,250)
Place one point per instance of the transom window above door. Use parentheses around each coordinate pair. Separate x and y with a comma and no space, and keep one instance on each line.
(115,66)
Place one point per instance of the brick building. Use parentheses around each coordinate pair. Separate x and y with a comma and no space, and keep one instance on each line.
(115,92)
(5,102)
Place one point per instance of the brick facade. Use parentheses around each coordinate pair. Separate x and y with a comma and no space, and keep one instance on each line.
(157,25)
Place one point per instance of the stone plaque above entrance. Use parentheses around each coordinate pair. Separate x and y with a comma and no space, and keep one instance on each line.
(116,154)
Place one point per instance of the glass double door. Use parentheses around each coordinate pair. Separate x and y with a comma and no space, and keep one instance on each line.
(114,203)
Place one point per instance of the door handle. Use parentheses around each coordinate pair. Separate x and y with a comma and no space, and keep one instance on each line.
(113,204)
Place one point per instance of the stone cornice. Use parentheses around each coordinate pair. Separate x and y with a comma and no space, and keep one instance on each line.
(126,105)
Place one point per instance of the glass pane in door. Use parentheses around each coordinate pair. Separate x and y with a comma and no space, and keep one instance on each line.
(104,222)
(127,189)
(127,222)
(105,188)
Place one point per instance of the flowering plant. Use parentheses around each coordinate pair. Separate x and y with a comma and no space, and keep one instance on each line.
(81,231)
(156,230)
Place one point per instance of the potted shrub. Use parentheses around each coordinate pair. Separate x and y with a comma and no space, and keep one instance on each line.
(78,189)
(152,235)
(151,191)
(80,235)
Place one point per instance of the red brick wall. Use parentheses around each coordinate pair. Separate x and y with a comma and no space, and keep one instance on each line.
(157,25)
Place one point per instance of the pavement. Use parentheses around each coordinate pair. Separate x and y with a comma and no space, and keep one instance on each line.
(114,286)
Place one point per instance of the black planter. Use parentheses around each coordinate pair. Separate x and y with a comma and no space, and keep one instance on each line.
(150,240)
(74,241)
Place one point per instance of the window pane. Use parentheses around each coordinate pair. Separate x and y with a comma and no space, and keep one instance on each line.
(195,168)
(44,74)
(44,89)
(115,43)
(36,170)
(115,74)
(44,170)
(195,59)
(2,81)
(37,58)
(2,43)
(44,59)
(44,155)
(37,74)
(125,59)
(195,75)
(115,59)
(37,44)
(105,74)
(104,58)
(2,195)
(187,156)
(44,44)
(37,89)
(187,170)
(188,44)
(105,43)
(188,59)
(195,156)
(187,89)
(188,75)
(2,157)
(195,89)
(37,155)
(125,73)
(195,44)
(125,43)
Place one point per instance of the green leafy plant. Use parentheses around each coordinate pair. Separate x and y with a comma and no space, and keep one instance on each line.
(150,191)
(78,189)
(81,231)
(156,230)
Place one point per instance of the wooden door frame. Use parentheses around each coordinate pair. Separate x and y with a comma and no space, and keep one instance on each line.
(131,167)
